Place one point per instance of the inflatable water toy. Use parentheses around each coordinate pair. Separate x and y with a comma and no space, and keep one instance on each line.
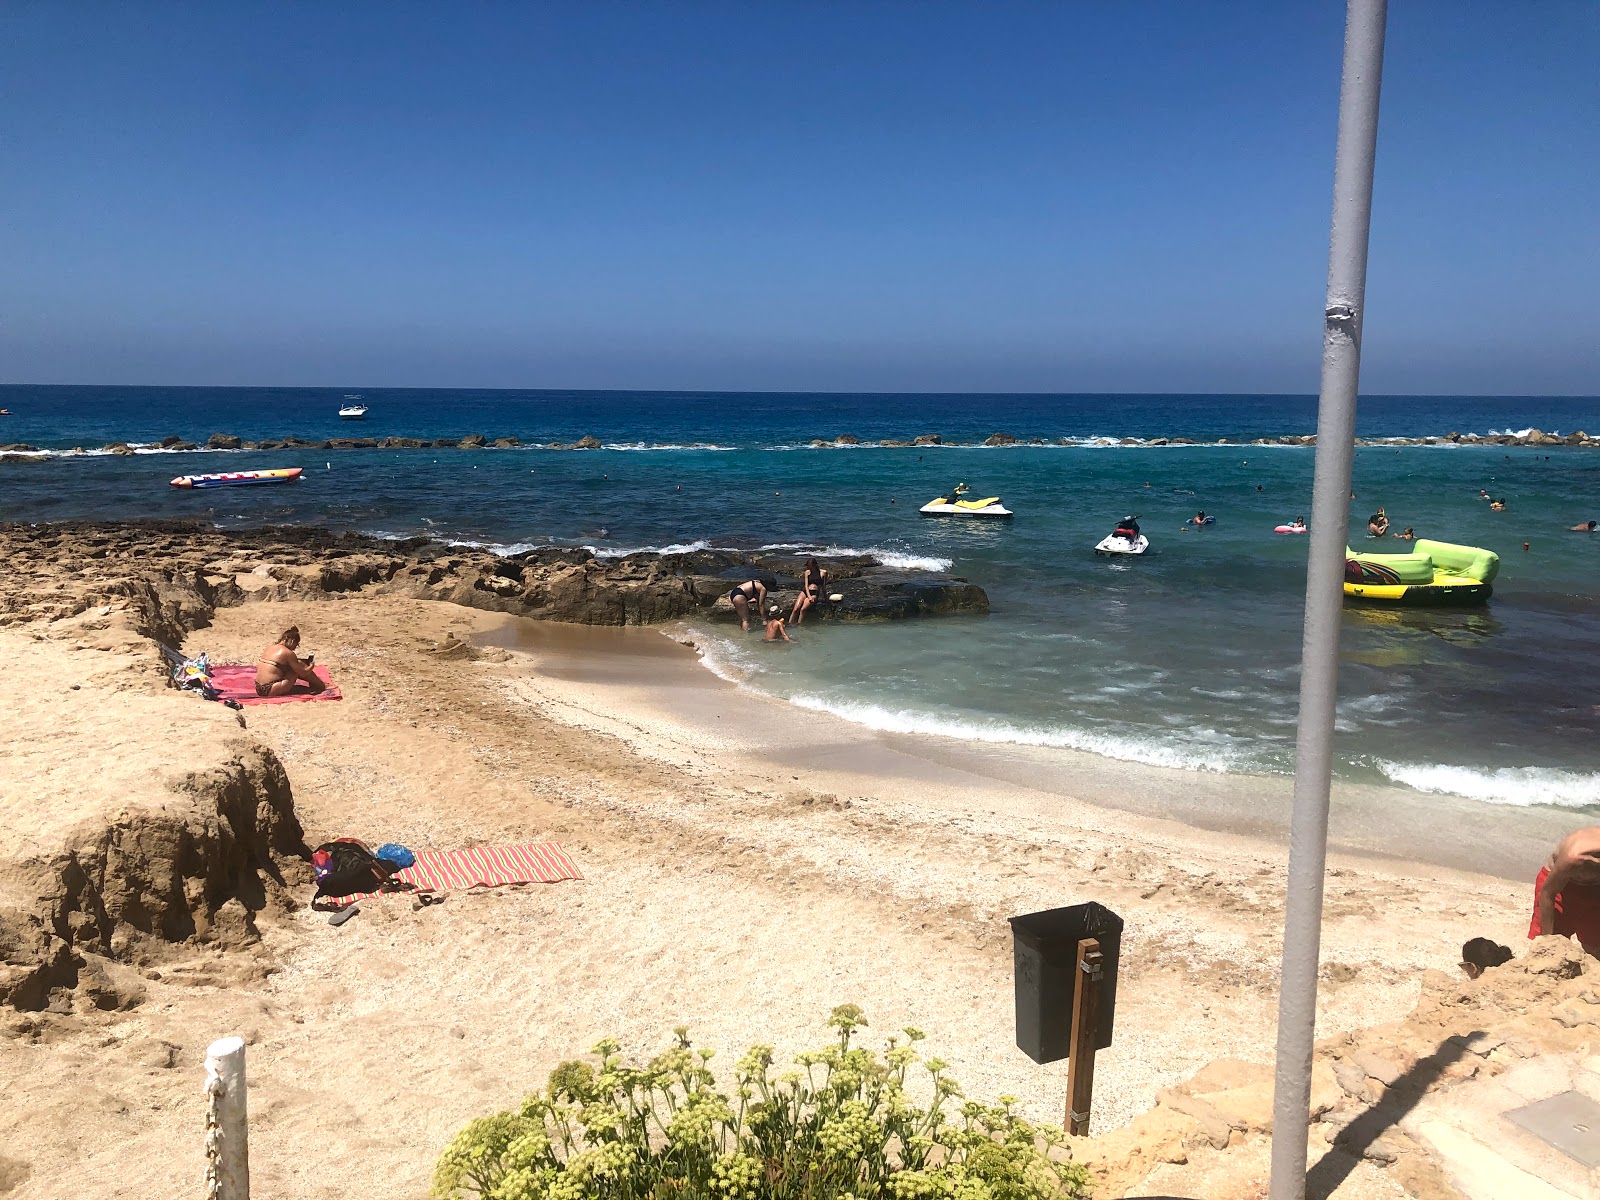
(1289,529)
(238,478)
(1433,573)
(1201,521)
(1124,539)
(959,504)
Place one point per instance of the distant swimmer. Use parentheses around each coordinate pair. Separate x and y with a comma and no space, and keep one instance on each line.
(1484,495)
(1407,536)
(1498,505)
(750,592)
(1377,524)
(1586,527)
(775,629)
(1567,891)
(1200,518)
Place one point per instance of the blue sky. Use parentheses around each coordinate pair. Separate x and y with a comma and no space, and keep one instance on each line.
(833,196)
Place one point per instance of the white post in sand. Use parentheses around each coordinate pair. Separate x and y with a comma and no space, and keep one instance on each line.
(1330,525)
(227,1126)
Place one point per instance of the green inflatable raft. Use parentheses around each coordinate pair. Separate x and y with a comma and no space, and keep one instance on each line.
(1433,573)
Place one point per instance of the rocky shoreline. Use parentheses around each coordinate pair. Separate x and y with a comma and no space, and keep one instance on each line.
(25,452)
(177,572)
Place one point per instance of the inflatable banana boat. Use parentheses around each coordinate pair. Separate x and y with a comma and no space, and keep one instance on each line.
(1433,573)
(237,478)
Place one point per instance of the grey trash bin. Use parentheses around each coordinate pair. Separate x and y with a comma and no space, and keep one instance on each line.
(1045,960)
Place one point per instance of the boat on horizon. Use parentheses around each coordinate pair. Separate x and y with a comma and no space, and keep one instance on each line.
(353,412)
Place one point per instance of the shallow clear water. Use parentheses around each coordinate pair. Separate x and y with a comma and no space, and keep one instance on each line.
(1186,657)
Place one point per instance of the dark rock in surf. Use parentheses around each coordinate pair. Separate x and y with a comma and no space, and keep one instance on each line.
(224,441)
(1000,439)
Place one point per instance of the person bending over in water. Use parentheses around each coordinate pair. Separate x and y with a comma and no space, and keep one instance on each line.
(775,629)
(750,592)
(279,668)
(811,580)
(1407,536)
(1377,524)
(1498,505)
(1586,527)
(1567,892)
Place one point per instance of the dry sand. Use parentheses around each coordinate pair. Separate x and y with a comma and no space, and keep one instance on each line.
(747,866)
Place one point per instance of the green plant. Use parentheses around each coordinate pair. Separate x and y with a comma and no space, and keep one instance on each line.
(838,1127)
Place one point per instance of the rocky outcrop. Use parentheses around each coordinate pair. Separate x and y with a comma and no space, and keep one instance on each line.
(173,575)
(192,866)
(1000,439)
(927,439)
(224,441)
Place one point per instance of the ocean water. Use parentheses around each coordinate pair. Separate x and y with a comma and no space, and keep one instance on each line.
(1187,657)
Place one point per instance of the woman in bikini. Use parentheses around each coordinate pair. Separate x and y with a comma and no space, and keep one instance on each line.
(279,668)
(812,577)
(752,592)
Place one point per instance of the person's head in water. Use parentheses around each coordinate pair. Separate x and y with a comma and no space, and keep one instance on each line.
(289,639)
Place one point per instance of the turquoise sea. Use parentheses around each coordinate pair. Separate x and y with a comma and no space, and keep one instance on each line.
(1186,658)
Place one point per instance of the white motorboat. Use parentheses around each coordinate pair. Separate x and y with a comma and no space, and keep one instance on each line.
(353,411)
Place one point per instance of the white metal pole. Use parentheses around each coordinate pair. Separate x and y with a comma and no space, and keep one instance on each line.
(227,1123)
(1330,526)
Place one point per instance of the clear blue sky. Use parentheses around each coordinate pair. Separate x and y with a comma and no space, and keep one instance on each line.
(1061,196)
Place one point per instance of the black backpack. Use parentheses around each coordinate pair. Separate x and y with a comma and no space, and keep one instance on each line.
(345,867)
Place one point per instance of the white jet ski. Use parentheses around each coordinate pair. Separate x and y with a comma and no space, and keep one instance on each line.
(1113,544)
(1124,539)
(960,503)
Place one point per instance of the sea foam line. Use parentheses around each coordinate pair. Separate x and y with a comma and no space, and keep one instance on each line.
(888,720)
(1521,787)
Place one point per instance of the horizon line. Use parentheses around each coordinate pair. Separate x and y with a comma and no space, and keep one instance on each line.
(798,391)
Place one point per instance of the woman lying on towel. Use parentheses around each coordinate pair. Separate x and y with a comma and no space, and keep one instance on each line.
(279,669)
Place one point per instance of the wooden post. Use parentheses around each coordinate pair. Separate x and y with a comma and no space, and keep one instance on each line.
(227,1125)
(1085,1032)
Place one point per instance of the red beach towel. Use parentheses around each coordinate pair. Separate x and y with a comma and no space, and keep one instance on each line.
(481,866)
(237,682)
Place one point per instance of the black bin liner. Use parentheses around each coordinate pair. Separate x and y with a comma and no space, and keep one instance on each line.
(1045,959)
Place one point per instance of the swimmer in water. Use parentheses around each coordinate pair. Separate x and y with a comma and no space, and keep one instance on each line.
(1586,527)
(775,630)
(752,592)
(1407,536)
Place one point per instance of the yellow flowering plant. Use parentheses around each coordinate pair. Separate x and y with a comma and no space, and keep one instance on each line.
(839,1127)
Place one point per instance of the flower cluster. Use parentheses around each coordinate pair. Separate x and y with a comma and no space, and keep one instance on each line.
(840,1127)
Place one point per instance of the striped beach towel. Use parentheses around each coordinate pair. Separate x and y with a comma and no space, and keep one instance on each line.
(481,866)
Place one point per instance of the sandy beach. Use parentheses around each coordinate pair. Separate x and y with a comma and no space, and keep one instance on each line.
(746,866)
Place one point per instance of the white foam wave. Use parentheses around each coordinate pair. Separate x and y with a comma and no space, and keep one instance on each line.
(675,548)
(666,446)
(1518,786)
(1217,757)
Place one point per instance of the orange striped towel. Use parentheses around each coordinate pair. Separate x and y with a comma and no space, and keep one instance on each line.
(481,866)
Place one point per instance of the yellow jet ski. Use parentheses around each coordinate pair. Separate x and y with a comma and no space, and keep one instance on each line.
(961,502)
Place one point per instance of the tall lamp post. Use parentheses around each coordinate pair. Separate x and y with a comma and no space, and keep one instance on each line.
(1330,520)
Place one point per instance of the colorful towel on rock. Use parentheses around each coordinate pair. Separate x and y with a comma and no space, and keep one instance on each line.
(481,866)
(238,682)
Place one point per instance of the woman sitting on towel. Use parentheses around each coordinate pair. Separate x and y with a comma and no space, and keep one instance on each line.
(280,668)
